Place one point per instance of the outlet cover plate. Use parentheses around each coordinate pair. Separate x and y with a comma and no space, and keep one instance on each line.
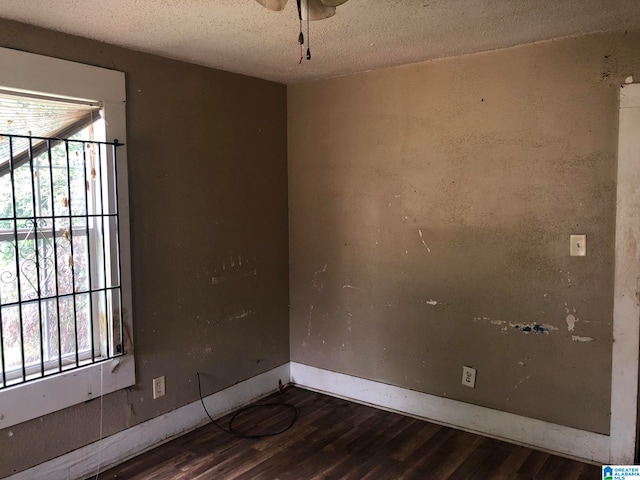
(469,377)
(158,387)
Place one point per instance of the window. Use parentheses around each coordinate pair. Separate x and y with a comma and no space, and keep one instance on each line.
(59,258)
(65,287)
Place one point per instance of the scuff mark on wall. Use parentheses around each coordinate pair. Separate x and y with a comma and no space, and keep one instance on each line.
(243,314)
(423,242)
(578,338)
(319,286)
(501,323)
(521,381)
(196,353)
(533,327)
(218,280)
(354,288)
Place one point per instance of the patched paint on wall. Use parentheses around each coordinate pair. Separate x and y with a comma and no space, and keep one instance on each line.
(571,322)
(490,162)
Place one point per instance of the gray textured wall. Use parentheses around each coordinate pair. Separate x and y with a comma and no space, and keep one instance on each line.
(430,213)
(207,155)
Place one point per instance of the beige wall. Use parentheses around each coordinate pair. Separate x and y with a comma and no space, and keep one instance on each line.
(430,208)
(430,213)
(208,185)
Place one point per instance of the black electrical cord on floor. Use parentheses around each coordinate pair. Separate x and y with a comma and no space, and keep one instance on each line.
(231,431)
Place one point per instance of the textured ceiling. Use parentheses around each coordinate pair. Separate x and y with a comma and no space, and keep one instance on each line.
(241,36)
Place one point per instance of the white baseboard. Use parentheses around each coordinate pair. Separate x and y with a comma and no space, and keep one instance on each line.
(566,441)
(112,450)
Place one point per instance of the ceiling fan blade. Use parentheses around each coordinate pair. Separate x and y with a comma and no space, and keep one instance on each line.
(275,5)
(316,10)
(333,3)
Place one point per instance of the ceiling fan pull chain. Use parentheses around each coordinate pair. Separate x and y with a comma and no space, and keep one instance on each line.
(301,35)
(301,42)
(308,34)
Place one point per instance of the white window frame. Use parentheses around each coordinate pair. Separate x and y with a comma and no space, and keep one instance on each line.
(61,78)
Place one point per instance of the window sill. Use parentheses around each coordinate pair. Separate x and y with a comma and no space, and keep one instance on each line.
(47,395)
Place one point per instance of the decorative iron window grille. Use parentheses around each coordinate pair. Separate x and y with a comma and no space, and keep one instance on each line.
(60,281)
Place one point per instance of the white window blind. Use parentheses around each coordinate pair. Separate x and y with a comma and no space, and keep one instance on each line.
(38,115)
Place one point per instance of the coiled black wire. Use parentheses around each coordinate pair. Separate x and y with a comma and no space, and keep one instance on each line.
(231,431)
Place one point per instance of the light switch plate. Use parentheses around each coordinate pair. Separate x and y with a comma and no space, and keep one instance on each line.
(578,245)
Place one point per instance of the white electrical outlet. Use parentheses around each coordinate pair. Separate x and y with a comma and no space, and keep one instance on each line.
(469,377)
(158,387)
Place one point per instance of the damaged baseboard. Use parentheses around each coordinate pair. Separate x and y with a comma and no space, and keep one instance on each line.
(557,439)
(110,451)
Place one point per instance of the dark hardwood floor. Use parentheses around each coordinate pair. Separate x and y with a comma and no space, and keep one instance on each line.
(337,439)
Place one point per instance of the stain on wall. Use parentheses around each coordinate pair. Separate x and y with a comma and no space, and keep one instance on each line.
(436,200)
(207,155)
